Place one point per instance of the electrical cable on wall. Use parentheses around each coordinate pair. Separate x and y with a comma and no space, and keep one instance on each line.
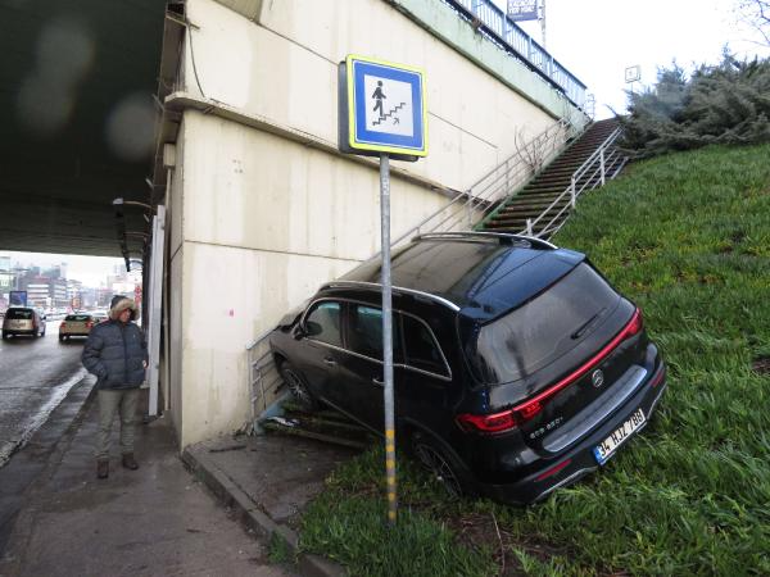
(192,57)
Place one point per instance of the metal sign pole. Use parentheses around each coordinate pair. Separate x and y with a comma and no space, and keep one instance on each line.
(155,302)
(382,112)
(387,339)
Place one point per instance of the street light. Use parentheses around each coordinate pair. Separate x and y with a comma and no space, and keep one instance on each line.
(120,201)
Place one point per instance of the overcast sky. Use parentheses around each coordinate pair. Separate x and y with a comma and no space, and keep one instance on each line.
(597,39)
(91,270)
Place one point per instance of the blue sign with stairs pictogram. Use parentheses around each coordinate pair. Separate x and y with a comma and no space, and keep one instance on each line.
(382,109)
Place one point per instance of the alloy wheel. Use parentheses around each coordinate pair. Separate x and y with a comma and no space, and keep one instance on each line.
(297,387)
(438,466)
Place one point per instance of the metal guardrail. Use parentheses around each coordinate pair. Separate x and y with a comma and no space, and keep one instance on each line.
(604,164)
(264,378)
(492,20)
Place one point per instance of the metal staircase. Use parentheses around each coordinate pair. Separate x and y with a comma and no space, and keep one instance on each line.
(544,204)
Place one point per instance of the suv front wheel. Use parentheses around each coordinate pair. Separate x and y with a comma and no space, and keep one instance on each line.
(296,383)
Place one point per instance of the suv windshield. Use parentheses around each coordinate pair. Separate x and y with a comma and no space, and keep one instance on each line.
(535,334)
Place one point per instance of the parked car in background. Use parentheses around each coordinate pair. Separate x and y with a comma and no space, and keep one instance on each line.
(25,321)
(76,325)
(517,367)
(100,316)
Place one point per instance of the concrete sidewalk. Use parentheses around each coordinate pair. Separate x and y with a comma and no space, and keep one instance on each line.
(155,521)
(268,481)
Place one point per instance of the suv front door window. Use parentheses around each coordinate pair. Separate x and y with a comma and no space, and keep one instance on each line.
(323,323)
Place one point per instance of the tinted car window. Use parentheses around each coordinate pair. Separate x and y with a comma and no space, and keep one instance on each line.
(545,328)
(19,314)
(422,351)
(77,318)
(365,336)
(323,323)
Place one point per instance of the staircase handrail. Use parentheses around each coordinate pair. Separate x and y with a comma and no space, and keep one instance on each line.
(479,194)
(598,155)
(609,141)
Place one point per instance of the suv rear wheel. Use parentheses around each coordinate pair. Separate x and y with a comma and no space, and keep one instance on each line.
(439,465)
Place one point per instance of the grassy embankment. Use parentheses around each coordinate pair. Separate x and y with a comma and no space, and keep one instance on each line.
(687,237)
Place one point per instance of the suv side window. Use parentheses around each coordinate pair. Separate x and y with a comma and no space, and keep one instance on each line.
(365,334)
(323,323)
(422,350)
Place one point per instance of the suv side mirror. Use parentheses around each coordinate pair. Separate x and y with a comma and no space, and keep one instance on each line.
(312,329)
(298,332)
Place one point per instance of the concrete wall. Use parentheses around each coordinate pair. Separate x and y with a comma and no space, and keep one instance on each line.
(259,218)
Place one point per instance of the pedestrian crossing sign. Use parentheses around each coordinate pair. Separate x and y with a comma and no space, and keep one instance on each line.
(382,109)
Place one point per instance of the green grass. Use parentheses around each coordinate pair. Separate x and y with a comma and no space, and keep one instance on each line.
(687,237)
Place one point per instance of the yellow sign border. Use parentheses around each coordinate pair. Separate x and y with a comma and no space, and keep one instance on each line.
(352,108)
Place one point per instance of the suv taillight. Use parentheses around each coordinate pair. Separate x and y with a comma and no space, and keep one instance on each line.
(526,411)
(500,422)
(89,324)
(63,325)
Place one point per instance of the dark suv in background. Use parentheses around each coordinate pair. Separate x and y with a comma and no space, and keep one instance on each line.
(517,367)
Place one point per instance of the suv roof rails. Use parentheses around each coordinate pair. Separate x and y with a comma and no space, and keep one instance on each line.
(501,236)
(404,290)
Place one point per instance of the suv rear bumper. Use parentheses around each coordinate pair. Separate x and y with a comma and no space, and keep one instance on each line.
(17,332)
(579,460)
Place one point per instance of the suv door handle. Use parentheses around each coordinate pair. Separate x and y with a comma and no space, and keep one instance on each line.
(330,362)
(378,381)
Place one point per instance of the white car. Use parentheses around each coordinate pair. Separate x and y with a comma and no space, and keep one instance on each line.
(77,325)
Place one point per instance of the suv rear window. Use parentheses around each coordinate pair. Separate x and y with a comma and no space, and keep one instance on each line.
(78,318)
(540,331)
(19,314)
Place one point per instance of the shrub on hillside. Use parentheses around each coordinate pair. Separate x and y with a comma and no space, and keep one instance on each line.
(724,104)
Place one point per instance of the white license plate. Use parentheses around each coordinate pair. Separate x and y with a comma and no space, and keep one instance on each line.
(608,446)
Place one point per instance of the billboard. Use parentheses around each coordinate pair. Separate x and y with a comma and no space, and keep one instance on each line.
(18,298)
(520,10)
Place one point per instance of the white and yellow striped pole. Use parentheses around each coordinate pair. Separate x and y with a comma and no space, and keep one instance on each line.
(387,340)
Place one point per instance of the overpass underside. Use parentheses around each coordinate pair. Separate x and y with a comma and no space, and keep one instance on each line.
(76,86)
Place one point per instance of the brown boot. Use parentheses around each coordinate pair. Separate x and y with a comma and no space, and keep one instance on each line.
(102,468)
(129,462)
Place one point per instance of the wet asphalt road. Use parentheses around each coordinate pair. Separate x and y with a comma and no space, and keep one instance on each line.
(35,375)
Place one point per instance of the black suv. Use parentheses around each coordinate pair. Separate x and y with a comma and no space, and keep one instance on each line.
(517,367)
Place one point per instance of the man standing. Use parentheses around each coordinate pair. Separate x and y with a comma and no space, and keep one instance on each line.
(116,352)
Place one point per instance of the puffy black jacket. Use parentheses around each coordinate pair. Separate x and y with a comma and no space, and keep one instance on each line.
(115,353)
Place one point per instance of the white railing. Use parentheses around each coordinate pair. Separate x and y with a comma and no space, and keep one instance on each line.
(504,31)
(463,212)
(471,207)
(604,164)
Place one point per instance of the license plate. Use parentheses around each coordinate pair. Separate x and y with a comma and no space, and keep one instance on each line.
(608,446)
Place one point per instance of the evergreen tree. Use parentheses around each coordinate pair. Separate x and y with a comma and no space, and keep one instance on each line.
(728,103)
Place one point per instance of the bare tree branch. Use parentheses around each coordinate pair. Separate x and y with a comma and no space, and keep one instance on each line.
(755,13)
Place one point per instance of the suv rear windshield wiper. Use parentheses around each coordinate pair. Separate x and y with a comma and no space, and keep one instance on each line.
(586,325)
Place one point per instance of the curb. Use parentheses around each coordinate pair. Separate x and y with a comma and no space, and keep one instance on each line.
(81,394)
(252,517)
